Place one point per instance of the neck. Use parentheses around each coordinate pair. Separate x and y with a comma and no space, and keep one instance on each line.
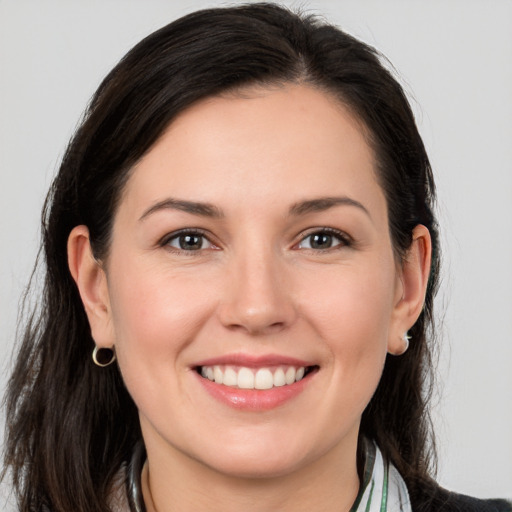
(328,484)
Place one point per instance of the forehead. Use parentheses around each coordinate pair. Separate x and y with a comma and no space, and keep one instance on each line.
(259,144)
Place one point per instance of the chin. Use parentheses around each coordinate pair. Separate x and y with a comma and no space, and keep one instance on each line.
(265,459)
(255,467)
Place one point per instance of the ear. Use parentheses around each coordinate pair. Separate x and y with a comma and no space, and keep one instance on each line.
(414,274)
(91,281)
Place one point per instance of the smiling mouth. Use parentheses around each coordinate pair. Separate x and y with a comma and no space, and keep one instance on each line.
(242,377)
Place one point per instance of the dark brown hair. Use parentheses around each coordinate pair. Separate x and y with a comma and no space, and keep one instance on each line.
(71,424)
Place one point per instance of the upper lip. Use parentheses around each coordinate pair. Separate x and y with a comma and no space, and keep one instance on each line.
(253,361)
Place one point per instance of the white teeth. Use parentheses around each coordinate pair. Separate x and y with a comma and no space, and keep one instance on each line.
(245,379)
(289,376)
(251,378)
(263,379)
(230,377)
(279,378)
(217,374)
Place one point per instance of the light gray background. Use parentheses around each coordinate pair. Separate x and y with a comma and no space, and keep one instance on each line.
(454,57)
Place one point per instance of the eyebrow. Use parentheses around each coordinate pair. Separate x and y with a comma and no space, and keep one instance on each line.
(324,203)
(209,210)
(193,207)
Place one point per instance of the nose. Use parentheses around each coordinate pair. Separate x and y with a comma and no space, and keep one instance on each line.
(257,296)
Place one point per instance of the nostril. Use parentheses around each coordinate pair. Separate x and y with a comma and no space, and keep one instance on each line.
(263,327)
(254,310)
(277,326)
(257,329)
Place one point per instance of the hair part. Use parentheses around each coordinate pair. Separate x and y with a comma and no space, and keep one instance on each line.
(72,421)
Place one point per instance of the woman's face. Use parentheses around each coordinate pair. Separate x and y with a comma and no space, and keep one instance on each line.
(250,246)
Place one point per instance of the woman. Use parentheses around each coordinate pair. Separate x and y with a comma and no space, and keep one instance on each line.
(241,263)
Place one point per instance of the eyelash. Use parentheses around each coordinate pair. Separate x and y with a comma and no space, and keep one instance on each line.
(343,239)
(166,240)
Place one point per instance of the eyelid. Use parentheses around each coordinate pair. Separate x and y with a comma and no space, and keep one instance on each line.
(164,241)
(345,238)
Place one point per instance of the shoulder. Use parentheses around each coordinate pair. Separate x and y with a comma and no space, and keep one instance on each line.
(459,503)
(441,500)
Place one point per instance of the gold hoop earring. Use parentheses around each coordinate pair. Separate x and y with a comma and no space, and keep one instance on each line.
(103,356)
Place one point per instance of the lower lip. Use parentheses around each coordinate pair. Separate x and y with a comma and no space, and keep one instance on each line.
(254,399)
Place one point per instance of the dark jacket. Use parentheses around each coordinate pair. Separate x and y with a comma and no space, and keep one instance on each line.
(441,500)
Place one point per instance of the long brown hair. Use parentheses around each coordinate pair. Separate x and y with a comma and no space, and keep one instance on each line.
(73,425)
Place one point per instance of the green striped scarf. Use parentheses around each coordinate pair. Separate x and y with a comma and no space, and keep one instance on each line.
(382,489)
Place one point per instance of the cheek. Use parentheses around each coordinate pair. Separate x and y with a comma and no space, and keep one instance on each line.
(151,302)
(155,318)
(352,306)
(352,316)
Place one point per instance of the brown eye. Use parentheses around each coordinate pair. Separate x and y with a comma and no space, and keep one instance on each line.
(321,240)
(189,242)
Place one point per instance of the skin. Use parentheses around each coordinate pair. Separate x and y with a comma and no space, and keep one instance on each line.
(256,286)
